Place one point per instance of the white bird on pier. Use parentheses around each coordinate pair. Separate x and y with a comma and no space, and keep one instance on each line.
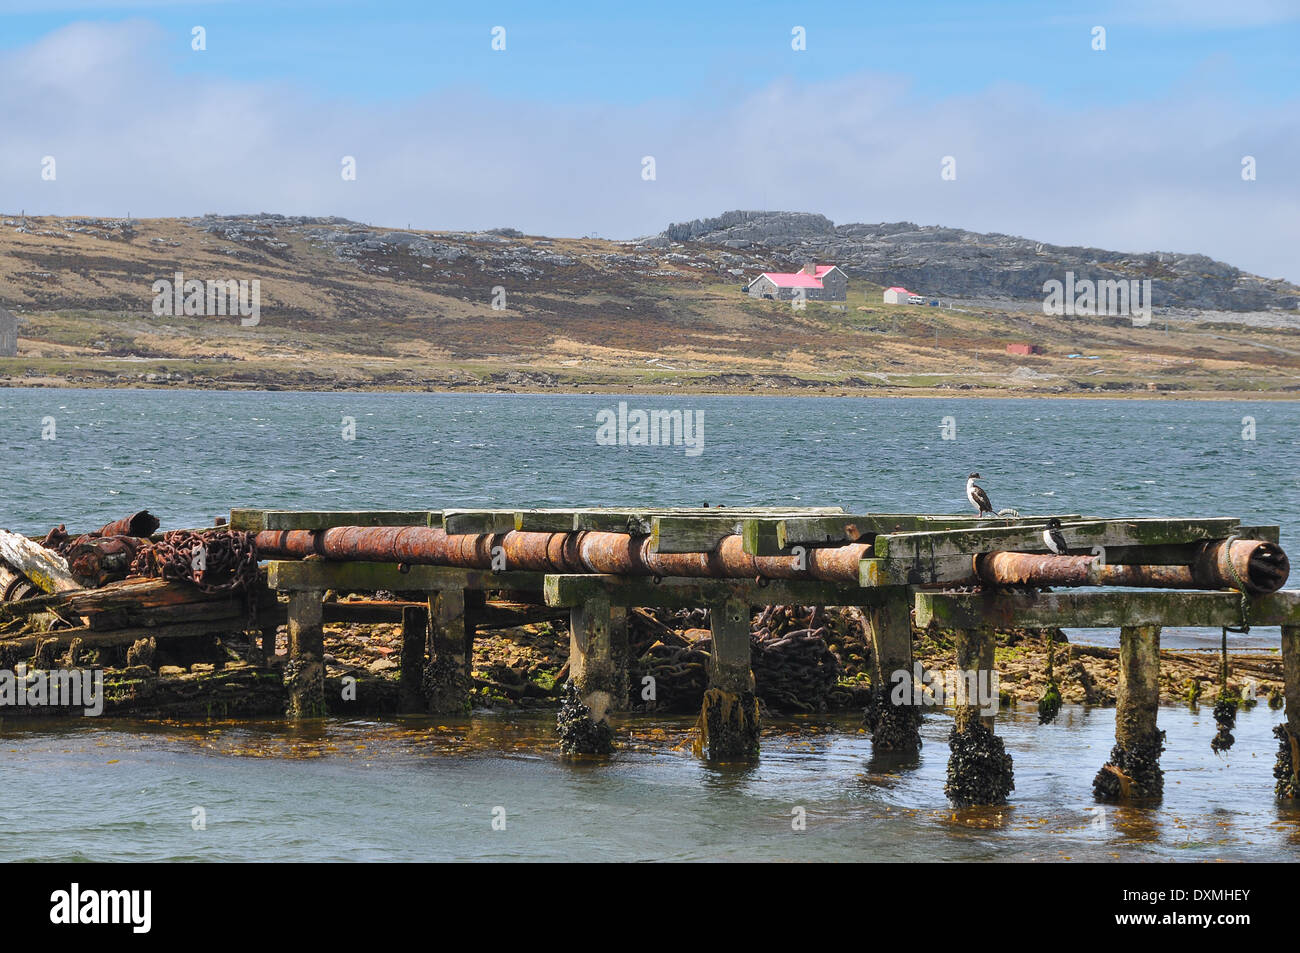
(978,498)
(1055,539)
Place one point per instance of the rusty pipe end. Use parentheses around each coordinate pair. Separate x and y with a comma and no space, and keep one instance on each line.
(1262,566)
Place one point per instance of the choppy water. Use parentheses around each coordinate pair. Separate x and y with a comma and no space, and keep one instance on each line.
(115,790)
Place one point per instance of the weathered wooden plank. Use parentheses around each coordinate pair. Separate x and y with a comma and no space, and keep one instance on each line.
(292,575)
(773,537)
(92,639)
(1266,532)
(566,590)
(639,520)
(1102,609)
(247,520)
(327,519)
(916,572)
(1081,536)
(478,522)
(46,569)
(690,534)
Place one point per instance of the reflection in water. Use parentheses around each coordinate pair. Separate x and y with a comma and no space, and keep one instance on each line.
(417,788)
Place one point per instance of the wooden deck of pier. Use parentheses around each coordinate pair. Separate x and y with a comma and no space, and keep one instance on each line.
(917,566)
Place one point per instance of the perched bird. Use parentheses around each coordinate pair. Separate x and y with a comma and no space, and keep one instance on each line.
(978,498)
(1054,539)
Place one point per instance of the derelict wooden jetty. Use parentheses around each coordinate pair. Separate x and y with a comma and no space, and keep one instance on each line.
(966,574)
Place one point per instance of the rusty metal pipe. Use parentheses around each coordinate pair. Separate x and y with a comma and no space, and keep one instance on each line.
(578,552)
(140,525)
(1261,566)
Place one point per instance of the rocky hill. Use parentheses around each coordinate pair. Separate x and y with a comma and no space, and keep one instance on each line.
(952,262)
(345,305)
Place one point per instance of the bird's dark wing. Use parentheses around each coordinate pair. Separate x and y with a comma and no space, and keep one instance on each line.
(982,500)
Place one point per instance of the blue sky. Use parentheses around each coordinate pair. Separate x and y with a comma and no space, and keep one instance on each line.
(629,53)
(1146,137)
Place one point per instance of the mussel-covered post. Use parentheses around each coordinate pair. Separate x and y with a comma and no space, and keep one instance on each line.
(979,768)
(1288,733)
(269,633)
(729,717)
(447,678)
(1134,767)
(594,683)
(415,636)
(304,674)
(892,716)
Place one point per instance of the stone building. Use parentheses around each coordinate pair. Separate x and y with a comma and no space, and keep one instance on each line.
(819,283)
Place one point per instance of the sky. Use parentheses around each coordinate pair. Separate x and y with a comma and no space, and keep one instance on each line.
(993,116)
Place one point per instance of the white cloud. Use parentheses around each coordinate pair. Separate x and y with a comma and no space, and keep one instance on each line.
(129,136)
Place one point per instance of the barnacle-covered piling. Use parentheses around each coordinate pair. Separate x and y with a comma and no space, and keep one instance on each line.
(979,768)
(1133,770)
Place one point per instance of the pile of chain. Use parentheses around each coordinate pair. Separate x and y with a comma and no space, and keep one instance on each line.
(794,670)
(221,561)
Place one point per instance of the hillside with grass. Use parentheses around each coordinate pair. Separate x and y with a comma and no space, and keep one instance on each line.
(345,305)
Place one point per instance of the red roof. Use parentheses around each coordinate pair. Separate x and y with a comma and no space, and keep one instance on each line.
(904,290)
(797,279)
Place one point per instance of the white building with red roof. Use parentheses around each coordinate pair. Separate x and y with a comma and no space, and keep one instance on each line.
(897,295)
(814,282)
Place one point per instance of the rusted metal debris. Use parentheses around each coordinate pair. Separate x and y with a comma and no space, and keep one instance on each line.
(141,525)
(223,561)
(95,562)
(1253,566)
(578,552)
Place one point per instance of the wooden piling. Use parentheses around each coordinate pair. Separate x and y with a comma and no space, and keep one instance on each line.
(893,716)
(594,685)
(304,675)
(447,678)
(269,633)
(728,725)
(1134,767)
(415,637)
(979,768)
(1288,733)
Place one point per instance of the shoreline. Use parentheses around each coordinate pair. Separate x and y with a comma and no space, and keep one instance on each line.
(829,391)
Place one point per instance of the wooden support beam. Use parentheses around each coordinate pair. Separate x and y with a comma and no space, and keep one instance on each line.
(574,589)
(447,676)
(893,727)
(594,685)
(729,722)
(1082,537)
(478,522)
(304,674)
(415,638)
(690,534)
(936,570)
(1102,609)
(1133,770)
(257,520)
(979,769)
(289,574)
(1287,766)
(92,639)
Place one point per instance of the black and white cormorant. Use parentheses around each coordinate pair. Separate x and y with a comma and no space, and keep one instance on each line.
(978,498)
(1054,539)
